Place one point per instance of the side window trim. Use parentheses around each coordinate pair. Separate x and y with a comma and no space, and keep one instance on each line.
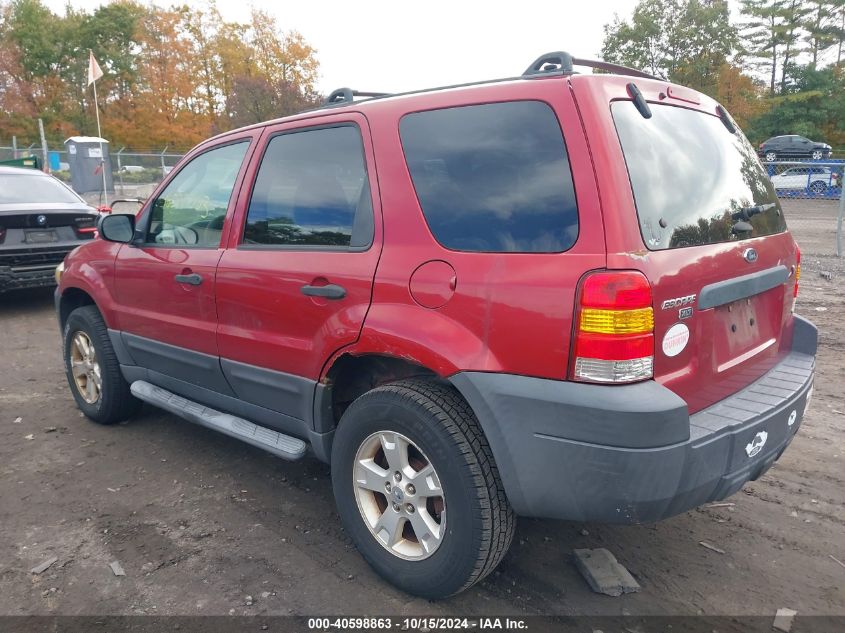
(142,230)
(250,186)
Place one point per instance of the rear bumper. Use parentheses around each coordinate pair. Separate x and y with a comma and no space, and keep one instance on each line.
(631,454)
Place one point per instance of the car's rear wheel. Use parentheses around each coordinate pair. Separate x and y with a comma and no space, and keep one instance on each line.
(771,157)
(92,370)
(818,187)
(817,154)
(417,488)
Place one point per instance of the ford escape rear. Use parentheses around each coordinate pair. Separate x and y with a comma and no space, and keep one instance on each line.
(559,295)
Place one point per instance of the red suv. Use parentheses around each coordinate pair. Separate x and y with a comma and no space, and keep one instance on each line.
(559,295)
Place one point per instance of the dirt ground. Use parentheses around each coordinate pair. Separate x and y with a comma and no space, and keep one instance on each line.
(199,522)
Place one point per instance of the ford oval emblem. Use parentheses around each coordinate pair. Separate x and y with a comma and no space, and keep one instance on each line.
(41,219)
(750,255)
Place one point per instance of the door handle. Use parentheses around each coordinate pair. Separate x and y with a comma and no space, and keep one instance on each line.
(194,279)
(331,291)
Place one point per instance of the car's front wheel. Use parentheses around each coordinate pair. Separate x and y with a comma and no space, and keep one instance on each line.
(771,157)
(817,154)
(417,488)
(92,370)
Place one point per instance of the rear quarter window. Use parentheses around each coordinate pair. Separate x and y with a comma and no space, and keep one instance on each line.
(493,177)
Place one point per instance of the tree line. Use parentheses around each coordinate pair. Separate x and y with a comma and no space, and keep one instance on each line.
(778,66)
(173,76)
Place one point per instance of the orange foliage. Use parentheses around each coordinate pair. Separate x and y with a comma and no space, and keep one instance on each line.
(738,93)
(169,73)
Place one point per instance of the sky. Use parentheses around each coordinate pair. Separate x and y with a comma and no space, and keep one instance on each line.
(394,46)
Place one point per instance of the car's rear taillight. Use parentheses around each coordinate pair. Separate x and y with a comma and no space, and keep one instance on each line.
(614,328)
(797,270)
(86,226)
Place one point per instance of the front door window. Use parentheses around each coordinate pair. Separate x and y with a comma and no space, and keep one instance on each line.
(191,209)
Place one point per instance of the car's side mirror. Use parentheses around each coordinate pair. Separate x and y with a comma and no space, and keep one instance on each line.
(117,228)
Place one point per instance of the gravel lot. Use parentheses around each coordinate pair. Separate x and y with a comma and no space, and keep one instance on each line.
(199,522)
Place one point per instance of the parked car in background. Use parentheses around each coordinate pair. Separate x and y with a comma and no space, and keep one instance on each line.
(812,178)
(793,146)
(41,221)
(469,312)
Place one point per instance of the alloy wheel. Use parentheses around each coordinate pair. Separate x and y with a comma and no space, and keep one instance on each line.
(399,495)
(85,368)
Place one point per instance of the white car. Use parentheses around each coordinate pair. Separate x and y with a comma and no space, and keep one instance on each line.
(807,178)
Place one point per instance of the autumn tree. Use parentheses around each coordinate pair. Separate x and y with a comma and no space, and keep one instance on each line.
(172,76)
(740,94)
(681,40)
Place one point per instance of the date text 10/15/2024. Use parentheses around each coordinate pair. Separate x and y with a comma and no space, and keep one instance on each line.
(413,624)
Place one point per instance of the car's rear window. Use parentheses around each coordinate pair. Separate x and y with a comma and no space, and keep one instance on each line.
(493,177)
(34,188)
(693,181)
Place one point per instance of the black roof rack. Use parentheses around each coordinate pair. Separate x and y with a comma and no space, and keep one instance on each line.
(343,96)
(558,62)
(561,62)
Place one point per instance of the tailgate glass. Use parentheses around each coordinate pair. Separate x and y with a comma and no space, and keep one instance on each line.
(693,181)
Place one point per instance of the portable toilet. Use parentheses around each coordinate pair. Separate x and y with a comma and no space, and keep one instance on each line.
(87,157)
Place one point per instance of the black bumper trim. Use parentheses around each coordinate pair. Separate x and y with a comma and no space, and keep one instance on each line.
(575,478)
(730,290)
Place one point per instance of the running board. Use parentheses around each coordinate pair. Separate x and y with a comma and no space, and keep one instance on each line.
(281,445)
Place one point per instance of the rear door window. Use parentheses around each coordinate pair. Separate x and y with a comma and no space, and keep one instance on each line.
(693,181)
(493,177)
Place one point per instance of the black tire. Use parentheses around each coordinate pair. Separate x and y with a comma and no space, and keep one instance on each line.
(480,523)
(817,154)
(115,403)
(771,156)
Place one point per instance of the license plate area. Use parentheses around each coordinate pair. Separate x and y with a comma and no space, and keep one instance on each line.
(747,327)
(40,237)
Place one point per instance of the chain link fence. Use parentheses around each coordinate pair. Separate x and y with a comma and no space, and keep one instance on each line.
(136,173)
(810,192)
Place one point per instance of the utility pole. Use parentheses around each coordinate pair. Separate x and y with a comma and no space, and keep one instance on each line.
(120,170)
(839,220)
(46,165)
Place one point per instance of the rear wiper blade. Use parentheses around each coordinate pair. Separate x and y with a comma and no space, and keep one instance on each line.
(746,213)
